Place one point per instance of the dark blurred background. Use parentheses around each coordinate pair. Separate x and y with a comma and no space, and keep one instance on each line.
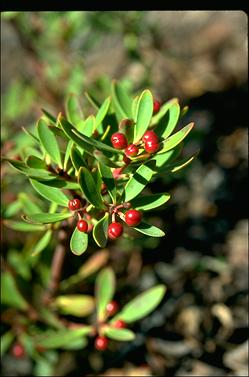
(200,57)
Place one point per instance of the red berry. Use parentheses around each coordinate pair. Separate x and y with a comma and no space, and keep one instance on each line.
(119,140)
(101,343)
(151,146)
(112,307)
(18,350)
(131,150)
(82,226)
(150,136)
(74,204)
(115,230)
(156,106)
(133,217)
(119,324)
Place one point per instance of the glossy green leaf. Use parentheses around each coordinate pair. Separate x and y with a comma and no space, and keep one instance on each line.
(179,165)
(108,179)
(49,142)
(93,101)
(29,133)
(73,109)
(23,227)
(100,231)
(169,121)
(164,158)
(47,218)
(78,242)
(102,111)
(142,305)
(134,106)
(88,188)
(28,206)
(119,334)
(104,291)
(49,116)
(42,243)
(77,159)
(95,143)
(35,162)
(76,305)
(143,115)
(60,183)
(149,230)
(106,161)
(88,126)
(138,181)
(176,138)
(50,193)
(10,294)
(163,110)
(149,202)
(6,340)
(31,172)
(67,154)
(121,100)
(62,337)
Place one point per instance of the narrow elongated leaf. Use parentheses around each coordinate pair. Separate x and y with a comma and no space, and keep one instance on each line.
(134,106)
(104,291)
(33,137)
(60,183)
(121,100)
(100,231)
(34,173)
(77,305)
(93,101)
(73,109)
(176,138)
(67,154)
(78,242)
(42,243)
(164,158)
(10,294)
(108,179)
(178,165)
(36,163)
(23,227)
(50,193)
(148,202)
(149,230)
(119,334)
(138,181)
(62,337)
(102,111)
(88,126)
(76,344)
(47,218)
(142,305)
(77,159)
(144,111)
(49,116)
(105,160)
(88,188)
(49,142)
(6,341)
(28,206)
(95,143)
(169,121)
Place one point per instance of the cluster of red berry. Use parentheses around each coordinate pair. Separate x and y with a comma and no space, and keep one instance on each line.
(75,205)
(149,142)
(101,342)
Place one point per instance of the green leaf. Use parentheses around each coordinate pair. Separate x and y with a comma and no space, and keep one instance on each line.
(162,159)
(49,116)
(93,101)
(29,133)
(67,154)
(76,305)
(149,230)
(163,110)
(28,206)
(47,218)
(88,126)
(121,100)
(104,291)
(77,159)
(42,243)
(169,121)
(34,173)
(105,160)
(23,227)
(142,305)
(6,341)
(50,193)
(119,334)
(10,294)
(73,109)
(78,242)
(76,344)
(88,188)
(177,166)
(108,179)
(62,338)
(49,142)
(60,183)
(138,181)
(100,231)
(148,202)
(35,163)
(143,114)
(95,143)
(176,138)
(134,106)
(102,111)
